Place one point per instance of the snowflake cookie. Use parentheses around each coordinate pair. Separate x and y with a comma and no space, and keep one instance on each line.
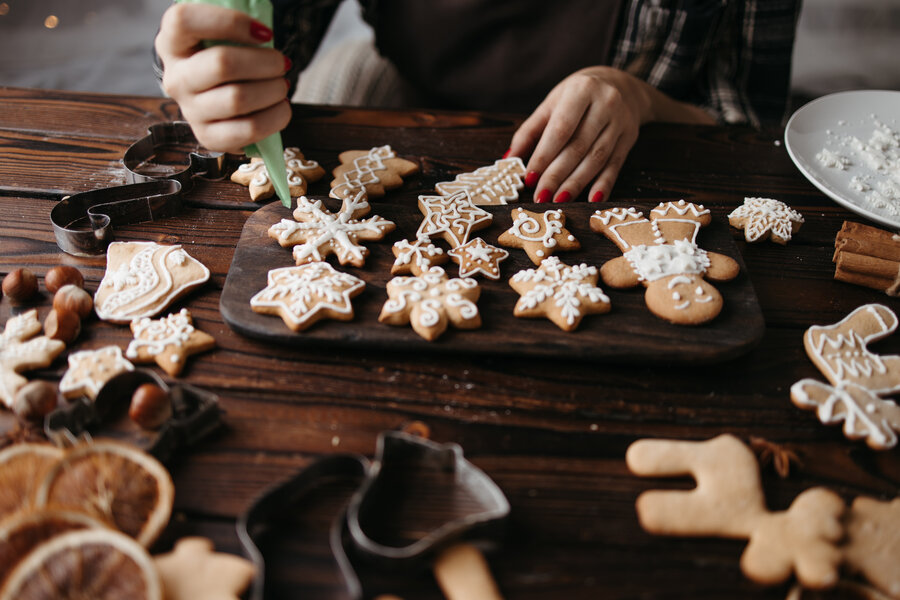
(430,301)
(316,232)
(452,217)
(416,257)
(373,171)
(90,369)
(763,218)
(167,341)
(478,257)
(308,293)
(539,234)
(21,351)
(300,172)
(498,183)
(562,293)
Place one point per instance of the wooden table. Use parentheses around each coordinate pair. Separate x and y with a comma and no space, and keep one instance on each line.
(551,433)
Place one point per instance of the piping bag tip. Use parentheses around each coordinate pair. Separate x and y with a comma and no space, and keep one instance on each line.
(271,151)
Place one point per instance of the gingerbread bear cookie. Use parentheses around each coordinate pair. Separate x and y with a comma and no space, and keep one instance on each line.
(416,257)
(765,218)
(167,341)
(90,369)
(452,217)
(22,349)
(662,254)
(477,257)
(300,173)
(316,232)
(374,171)
(308,293)
(142,279)
(539,234)
(498,183)
(860,380)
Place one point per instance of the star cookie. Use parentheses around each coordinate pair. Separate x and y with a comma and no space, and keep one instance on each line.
(21,351)
(300,172)
(562,293)
(539,234)
(374,171)
(308,293)
(316,232)
(90,369)
(193,571)
(430,301)
(477,256)
(167,341)
(763,218)
(498,183)
(453,217)
(416,257)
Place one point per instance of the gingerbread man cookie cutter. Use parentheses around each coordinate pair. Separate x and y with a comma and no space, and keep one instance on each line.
(83,223)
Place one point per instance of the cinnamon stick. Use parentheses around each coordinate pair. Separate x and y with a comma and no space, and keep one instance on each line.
(867,265)
(867,240)
(877,283)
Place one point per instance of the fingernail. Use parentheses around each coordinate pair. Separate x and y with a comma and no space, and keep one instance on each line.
(531,178)
(287,82)
(287,64)
(563,196)
(597,197)
(543,196)
(260,32)
(506,154)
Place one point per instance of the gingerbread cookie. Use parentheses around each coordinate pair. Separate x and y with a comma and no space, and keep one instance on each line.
(21,351)
(374,171)
(306,294)
(662,254)
(873,542)
(729,502)
(142,279)
(416,257)
(452,217)
(193,571)
(478,257)
(539,234)
(316,232)
(562,293)
(765,218)
(300,173)
(90,369)
(860,380)
(495,184)
(430,301)
(167,341)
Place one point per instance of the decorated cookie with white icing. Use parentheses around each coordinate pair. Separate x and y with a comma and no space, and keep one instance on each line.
(498,183)
(300,172)
(765,218)
(452,217)
(477,257)
(142,279)
(374,171)
(90,369)
(661,253)
(538,234)
(416,257)
(22,349)
(308,293)
(167,341)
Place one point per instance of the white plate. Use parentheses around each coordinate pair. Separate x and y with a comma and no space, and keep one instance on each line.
(823,124)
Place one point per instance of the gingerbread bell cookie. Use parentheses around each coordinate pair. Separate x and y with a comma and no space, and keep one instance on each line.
(765,218)
(498,183)
(22,349)
(167,341)
(90,369)
(661,253)
(860,381)
(300,173)
(142,279)
(374,171)
(538,234)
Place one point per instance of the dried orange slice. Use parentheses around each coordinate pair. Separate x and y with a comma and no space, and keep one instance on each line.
(114,482)
(100,564)
(22,467)
(21,532)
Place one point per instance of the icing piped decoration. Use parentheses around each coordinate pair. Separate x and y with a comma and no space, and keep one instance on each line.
(371,171)
(765,218)
(494,184)
(539,234)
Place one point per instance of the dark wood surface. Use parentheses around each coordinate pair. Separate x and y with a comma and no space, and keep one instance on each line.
(552,432)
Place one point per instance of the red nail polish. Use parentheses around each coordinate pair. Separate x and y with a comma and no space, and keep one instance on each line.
(287,64)
(260,32)
(563,196)
(543,196)
(531,178)
(598,197)
(506,154)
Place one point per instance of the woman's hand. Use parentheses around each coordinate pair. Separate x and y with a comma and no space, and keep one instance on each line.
(231,95)
(582,132)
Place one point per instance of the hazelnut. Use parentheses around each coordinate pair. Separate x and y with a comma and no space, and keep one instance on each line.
(62,275)
(35,400)
(62,325)
(72,298)
(20,285)
(150,406)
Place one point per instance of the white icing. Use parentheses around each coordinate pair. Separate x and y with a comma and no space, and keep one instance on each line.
(529,229)
(681,208)
(90,369)
(434,294)
(453,216)
(363,172)
(154,336)
(419,253)
(494,184)
(477,256)
(765,215)
(561,285)
(655,262)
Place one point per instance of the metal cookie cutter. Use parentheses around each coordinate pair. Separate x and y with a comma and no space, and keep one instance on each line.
(148,195)
(195,414)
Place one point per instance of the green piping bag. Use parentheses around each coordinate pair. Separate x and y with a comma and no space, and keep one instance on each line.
(271,149)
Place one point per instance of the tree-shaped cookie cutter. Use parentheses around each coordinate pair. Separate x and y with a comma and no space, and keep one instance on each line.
(144,198)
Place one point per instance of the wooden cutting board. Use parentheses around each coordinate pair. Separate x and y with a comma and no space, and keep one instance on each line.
(628,333)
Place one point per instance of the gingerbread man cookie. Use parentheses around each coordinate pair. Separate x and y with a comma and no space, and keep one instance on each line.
(90,369)
(860,380)
(430,302)
(21,351)
(316,232)
(300,173)
(765,218)
(498,183)
(539,234)
(662,254)
(452,217)
(374,171)
(167,341)
(306,294)
(416,257)
(478,257)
